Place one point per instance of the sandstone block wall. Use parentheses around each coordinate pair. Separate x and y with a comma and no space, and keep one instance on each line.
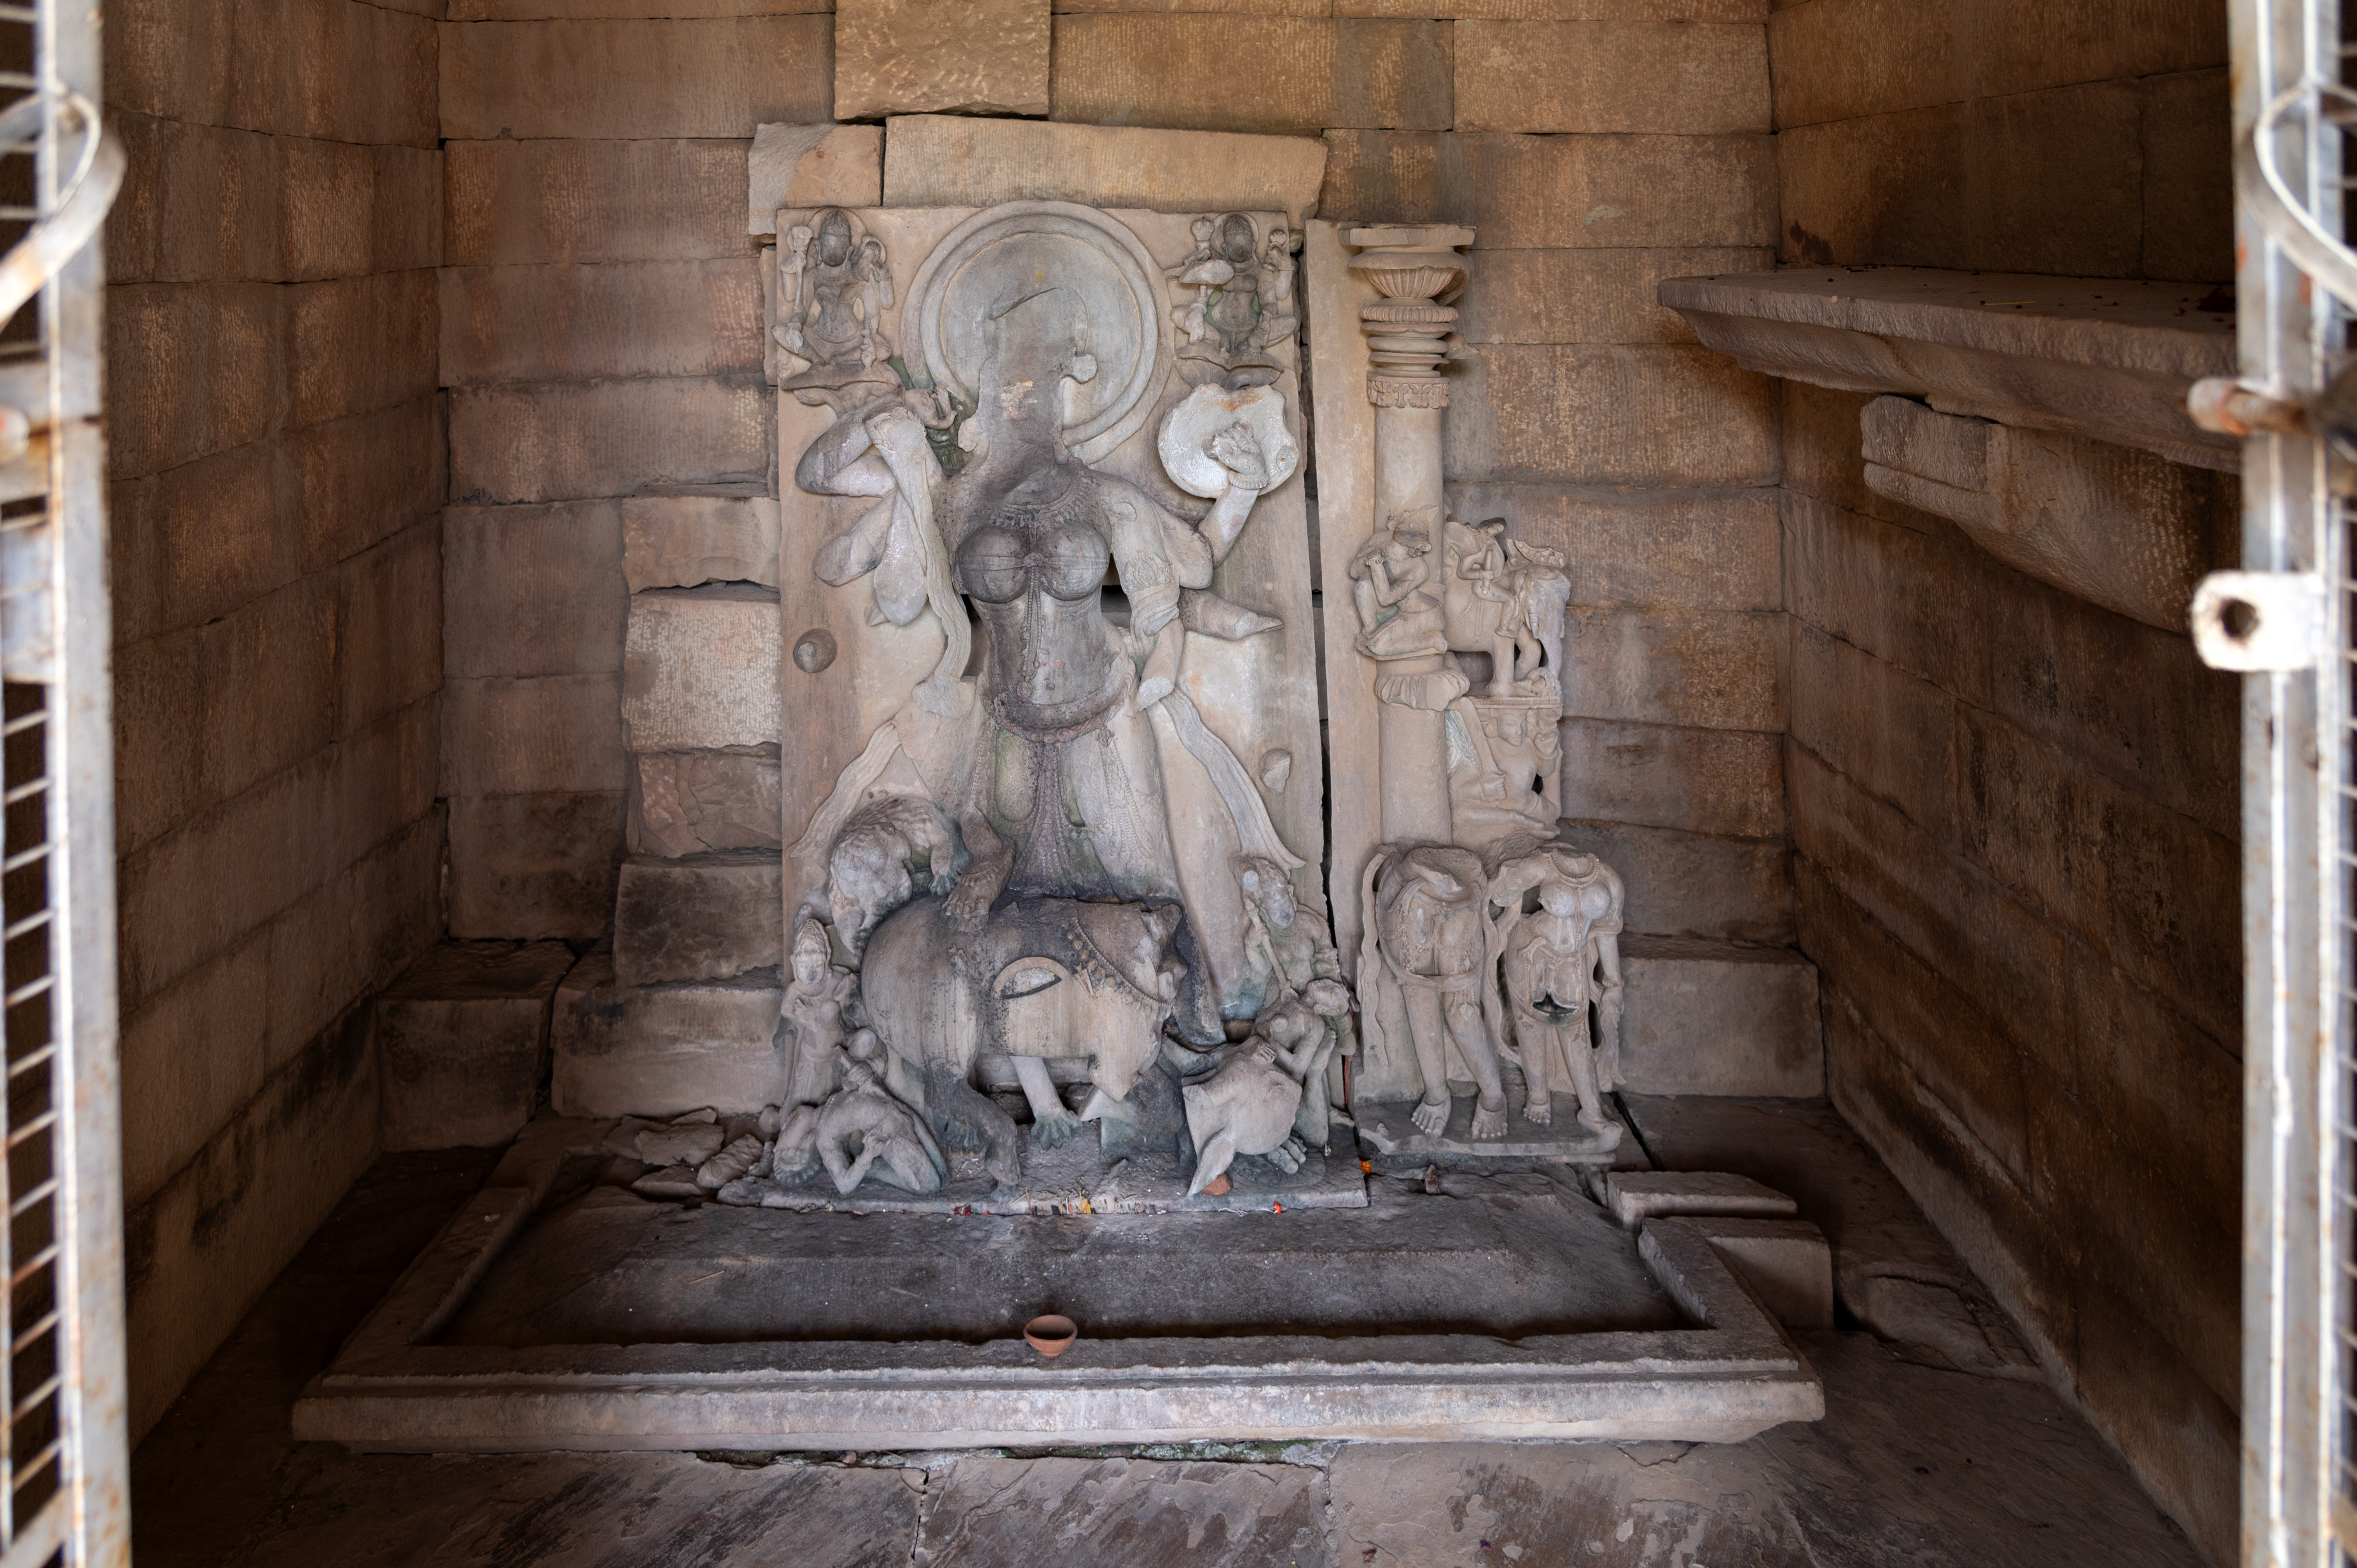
(2016,814)
(276,477)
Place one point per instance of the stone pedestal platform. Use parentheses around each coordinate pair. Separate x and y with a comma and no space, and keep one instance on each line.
(556,1312)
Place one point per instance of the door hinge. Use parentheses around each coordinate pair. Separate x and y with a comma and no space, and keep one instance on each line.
(2259,620)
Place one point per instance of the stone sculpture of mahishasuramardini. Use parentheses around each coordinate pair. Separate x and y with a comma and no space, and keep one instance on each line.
(1054,795)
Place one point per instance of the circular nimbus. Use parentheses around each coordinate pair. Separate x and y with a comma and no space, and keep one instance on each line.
(1102,282)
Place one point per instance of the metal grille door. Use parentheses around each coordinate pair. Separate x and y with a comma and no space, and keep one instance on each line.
(2287,620)
(63,1466)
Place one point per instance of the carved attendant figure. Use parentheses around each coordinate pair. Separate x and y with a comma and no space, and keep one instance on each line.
(1397,617)
(1553,959)
(1429,931)
(862,1129)
(1301,966)
(810,1030)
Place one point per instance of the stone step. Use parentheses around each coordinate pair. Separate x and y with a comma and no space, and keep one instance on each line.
(1718,1019)
(462,1043)
(663,1050)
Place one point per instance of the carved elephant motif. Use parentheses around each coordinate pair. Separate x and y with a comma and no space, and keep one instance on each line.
(1038,978)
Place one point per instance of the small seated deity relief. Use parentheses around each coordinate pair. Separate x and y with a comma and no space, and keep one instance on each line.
(1235,300)
(1557,960)
(1505,768)
(1252,1104)
(834,285)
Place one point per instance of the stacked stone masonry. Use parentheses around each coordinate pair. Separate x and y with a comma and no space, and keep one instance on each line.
(277,475)
(2013,812)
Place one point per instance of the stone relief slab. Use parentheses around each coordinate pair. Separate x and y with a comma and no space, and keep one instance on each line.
(1044,579)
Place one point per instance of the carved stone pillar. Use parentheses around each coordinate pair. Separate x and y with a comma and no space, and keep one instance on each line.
(1407,328)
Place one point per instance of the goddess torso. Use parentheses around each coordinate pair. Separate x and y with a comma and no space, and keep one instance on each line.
(1035,571)
(1550,958)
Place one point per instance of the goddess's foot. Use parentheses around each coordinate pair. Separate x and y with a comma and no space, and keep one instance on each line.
(1538,1112)
(1287,1156)
(1048,1131)
(1431,1118)
(1489,1122)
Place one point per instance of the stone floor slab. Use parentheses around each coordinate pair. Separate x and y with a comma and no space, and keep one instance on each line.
(582,1511)
(1912,1465)
(1015,1513)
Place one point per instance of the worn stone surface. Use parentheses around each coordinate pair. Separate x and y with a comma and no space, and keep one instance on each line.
(1681,78)
(987,1510)
(686,803)
(1253,73)
(1855,58)
(1573,192)
(702,668)
(221,1481)
(542,441)
(1951,1047)
(2123,528)
(1703,670)
(620,318)
(825,165)
(666,1049)
(2189,179)
(922,57)
(618,1509)
(303,1138)
(1589,296)
(1607,415)
(324,69)
(1700,1018)
(702,918)
(211,882)
(1787,1264)
(1706,781)
(533,734)
(686,541)
(1942,1482)
(462,1043)
(1699,886)
(535,864)
(1957,203)
(533,590)
(1966,924)
(641,80)
(523,201)
(951,161)
(1636,1197)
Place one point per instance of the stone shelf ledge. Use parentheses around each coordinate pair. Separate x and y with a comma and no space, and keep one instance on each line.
(2106,358)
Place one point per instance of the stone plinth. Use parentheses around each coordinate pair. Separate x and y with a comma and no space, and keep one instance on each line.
(1655,1340)
(661,1051)
(1717,1018)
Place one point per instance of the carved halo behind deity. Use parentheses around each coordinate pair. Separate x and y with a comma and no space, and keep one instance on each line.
(1116,289)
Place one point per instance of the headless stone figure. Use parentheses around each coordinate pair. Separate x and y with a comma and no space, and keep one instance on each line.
(862,1129)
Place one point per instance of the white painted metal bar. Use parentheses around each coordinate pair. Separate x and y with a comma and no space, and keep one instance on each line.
(2295,274)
